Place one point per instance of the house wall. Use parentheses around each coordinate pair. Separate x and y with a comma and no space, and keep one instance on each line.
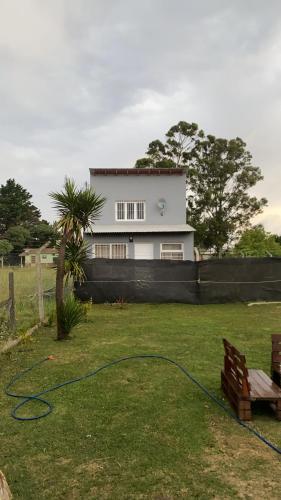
(150,188)
(47,259)
(156,239)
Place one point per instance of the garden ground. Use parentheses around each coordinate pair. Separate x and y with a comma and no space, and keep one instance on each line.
(140,430)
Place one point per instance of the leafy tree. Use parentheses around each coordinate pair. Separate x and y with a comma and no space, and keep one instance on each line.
(17,236)
(16,207)
(218,203)
(180,146)
(277,238)
(78,209)
(256,242)
(5,248)
(219,175)
(41,233)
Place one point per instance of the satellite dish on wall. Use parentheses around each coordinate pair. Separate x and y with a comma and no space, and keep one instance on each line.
(162,205)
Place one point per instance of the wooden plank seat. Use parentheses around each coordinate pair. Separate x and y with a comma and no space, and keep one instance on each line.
(276,358)
(242,386)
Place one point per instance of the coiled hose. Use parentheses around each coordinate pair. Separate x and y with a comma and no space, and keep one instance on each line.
(27,398)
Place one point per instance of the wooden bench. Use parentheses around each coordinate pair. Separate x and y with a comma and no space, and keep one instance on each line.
(242,386)
(276,358)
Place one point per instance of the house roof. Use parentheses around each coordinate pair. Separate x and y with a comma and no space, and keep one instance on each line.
(137,171)
(141,228)
(29,251)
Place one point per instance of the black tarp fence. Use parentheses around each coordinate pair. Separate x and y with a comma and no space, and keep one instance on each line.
(240,280)
(159,281)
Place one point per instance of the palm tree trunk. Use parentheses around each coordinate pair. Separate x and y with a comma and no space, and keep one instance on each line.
(61,335)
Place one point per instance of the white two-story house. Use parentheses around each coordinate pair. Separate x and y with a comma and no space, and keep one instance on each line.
(144,216)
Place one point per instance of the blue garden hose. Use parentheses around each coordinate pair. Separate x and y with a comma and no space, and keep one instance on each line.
(27,398)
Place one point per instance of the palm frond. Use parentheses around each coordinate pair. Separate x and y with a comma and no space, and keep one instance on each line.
(78,209)
(75,256)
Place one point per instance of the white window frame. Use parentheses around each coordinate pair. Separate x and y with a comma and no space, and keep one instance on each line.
(110,250)
(163,251)
(126,202)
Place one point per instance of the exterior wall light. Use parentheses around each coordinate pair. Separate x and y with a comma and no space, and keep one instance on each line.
(162,206)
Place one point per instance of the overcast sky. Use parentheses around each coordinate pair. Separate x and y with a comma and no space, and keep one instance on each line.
(86,83)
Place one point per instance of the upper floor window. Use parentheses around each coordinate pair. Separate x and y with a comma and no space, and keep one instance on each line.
(130,210)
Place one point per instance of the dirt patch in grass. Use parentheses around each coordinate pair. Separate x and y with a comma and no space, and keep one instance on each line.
(244,463)
(107,493)
(162,497)
(64,461)
(91,468)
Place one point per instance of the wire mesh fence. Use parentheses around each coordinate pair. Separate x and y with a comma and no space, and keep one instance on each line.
(26,298)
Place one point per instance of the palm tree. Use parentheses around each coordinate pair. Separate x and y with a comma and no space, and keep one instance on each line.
(75,256)
(78,209)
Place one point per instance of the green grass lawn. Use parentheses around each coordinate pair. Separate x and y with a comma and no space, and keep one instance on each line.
(140,430)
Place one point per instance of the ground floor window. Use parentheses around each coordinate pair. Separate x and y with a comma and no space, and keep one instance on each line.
(171,251)
(102,251)
(110,250)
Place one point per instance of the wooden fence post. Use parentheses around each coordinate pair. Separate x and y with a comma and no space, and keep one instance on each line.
(11,309)
(40,288)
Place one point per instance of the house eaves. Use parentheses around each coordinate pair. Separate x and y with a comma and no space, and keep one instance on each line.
(140,228)
(137,171)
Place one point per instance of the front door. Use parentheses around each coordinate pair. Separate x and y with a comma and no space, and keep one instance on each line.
(144,251)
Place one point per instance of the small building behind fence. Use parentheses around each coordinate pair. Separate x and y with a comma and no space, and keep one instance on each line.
(48,257)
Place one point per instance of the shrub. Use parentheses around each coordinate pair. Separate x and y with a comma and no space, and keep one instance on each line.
(72,314)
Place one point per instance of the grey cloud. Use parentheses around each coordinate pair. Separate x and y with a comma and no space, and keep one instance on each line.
(90,83)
